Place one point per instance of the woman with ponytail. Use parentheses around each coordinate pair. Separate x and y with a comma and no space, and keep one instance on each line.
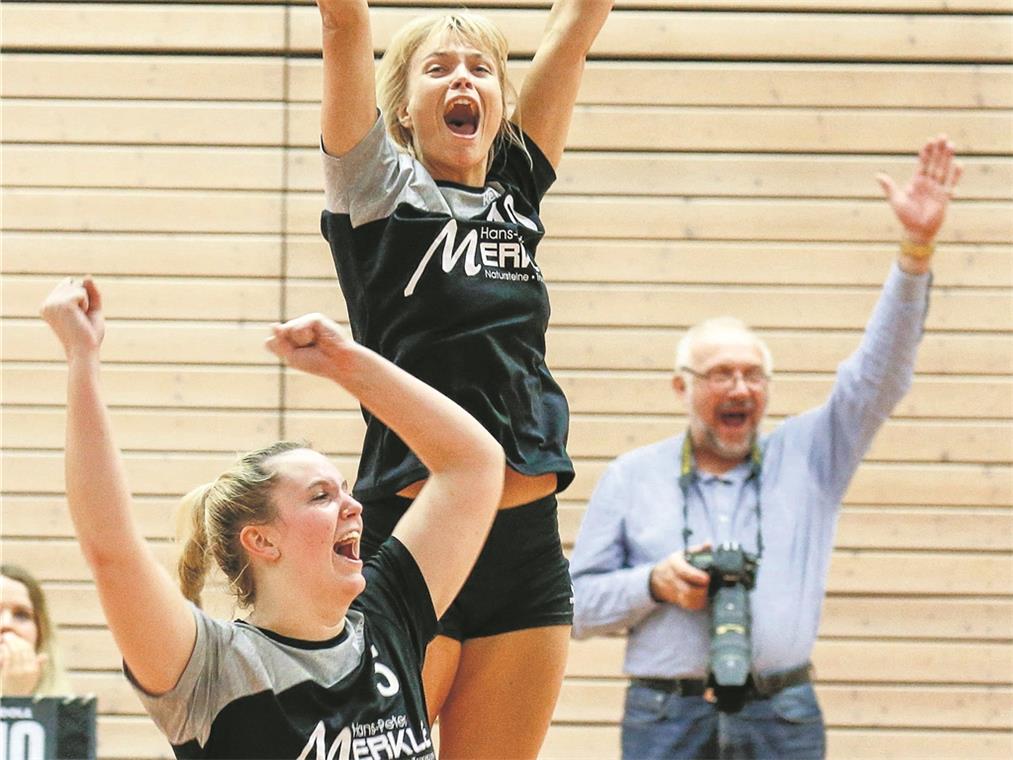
(327,662)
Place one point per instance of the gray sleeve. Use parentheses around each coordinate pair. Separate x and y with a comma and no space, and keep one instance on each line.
(369,181)
(185,712)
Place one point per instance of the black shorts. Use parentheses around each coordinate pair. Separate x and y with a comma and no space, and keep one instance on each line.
(521,579)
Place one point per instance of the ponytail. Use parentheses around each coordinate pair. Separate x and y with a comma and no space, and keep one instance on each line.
(193,562)
(211,517)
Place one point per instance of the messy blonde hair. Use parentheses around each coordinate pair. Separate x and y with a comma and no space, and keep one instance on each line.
(394,72)
(218,511)
(53,680)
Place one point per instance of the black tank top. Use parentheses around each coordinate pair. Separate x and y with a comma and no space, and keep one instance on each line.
(441,279)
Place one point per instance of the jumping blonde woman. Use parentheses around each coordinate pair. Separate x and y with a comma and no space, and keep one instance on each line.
(433,189)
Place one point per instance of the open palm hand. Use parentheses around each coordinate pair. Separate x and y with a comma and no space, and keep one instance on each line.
(921,205)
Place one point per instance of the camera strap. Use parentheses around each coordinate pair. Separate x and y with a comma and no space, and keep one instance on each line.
(688,475)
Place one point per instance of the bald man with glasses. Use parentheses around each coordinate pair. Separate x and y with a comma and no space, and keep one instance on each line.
(663,513)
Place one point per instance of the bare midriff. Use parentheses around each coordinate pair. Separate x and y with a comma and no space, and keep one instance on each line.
(518,489)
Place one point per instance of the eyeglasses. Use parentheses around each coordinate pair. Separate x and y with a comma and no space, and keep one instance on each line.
(724,378)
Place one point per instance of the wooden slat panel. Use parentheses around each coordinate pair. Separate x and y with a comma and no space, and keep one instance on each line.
(691,174)
(582,742)
(221,388)
(594,127)
(904,617)
(666,305)
(729,219)
(722,83)
(127,253)
(49,516)
(854,743)
(61,560)
(597,436)
(94,649)
(580,173)
(801,130)
(143,211)
(891,484)
(860,527)
(651,393)
(647,393)
(751,175)
(900,706)
(757,220)
(648,83)
(782,263)
(577,348)
(965,6)
(131,738)
(96,26)
(32,75)
(234,299)
(236,343)
(607,348)
(846,661)
(843,616)
(852,572)
(707,35)
(148,473)
(184,168)
(690,261)
(864,527)
(186,430)
(167,123)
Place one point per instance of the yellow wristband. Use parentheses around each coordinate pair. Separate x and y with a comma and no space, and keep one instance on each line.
(917,250)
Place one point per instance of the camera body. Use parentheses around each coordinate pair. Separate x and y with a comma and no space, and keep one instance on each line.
(732,573)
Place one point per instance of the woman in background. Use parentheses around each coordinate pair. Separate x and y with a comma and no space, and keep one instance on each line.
(30,663)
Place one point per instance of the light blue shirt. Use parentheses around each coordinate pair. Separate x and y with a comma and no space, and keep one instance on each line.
(635,516)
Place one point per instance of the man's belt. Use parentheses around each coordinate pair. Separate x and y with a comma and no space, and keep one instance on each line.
(761,687)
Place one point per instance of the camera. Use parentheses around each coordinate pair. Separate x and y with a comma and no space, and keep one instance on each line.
(732,573)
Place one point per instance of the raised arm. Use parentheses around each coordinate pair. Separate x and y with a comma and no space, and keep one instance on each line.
(550,88)
(348,108)
(450,519)
(875,378)
(147,614)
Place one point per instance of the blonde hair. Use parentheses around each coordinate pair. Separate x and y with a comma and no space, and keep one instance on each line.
(394,72)
(218,511)
(712,328)
(53,681)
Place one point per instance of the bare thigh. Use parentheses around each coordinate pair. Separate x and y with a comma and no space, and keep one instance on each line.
(503,696)
(442,657)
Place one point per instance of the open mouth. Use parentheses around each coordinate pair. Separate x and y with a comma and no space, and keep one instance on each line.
(462,117)
(734,419)
(348,546)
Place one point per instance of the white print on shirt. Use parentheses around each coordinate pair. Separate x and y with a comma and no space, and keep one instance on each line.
(389,686)
(498,249)
(382,739)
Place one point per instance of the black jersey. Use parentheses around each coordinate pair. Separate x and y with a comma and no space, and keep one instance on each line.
(442,280)
(251,693)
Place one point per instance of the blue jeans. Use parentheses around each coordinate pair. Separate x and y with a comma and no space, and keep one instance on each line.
(660,726)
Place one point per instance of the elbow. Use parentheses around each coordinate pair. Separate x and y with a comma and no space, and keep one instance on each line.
(101,557)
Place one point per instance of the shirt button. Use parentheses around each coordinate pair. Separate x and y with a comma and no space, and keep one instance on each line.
(723,518)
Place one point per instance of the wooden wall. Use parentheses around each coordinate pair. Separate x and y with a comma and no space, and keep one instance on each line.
(720,161)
